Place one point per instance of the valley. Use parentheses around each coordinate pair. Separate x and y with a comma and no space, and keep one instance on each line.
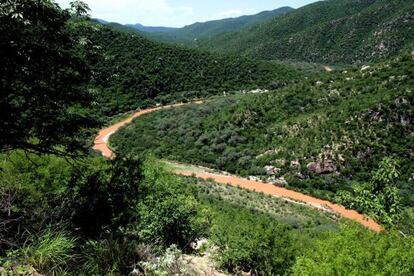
(272,140)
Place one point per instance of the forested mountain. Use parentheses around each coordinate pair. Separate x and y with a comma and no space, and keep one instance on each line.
(129,71)
(190,34)
(322,135)
(345,135)
(151,29)
(333,31)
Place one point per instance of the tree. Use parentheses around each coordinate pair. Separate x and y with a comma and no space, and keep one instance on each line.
(357,251)
(44,101)
(379,198)
(168,213)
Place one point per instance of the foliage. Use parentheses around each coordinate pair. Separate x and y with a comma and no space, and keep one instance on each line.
(43,78)
(250,241)
(102,195)
(50,252)
(109,256)
(169,212)
(353,118)
(292,214)
(354,251)
(130,71)
(335,31)
(380,198)
(191,34)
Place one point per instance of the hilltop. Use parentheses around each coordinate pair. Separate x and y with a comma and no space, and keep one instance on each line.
(334,31)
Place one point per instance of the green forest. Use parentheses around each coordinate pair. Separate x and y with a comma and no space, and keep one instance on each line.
(130,72)
(333,122)
(333,32)
(345,136)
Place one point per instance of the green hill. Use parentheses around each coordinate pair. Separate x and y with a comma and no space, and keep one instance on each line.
(334,31)
(320,136)
(130,71)
(204,30)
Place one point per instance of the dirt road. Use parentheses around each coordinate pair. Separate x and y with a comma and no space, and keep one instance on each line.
(101,145)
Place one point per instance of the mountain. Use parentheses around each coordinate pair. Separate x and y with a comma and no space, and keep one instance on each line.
(205,30)
(211,28)
(130,71)
(150,29)
(334,31)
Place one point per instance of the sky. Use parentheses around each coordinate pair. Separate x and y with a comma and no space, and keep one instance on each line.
(178,13)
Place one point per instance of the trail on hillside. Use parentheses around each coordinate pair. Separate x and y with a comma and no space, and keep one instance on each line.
(101,145)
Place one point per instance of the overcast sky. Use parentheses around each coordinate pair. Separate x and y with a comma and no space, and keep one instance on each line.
(178,13)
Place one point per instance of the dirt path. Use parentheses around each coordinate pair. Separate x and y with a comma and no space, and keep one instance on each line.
(100,145)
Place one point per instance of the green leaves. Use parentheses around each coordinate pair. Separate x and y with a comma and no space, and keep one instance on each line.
(356,251)
(42,78)
(168,214)
(380,198)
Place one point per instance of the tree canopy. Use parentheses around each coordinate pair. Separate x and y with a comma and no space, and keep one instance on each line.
(44,100)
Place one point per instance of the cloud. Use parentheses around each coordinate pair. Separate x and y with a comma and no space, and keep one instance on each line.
(147,12)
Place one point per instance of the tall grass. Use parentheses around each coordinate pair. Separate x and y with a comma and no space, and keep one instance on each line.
(49,252)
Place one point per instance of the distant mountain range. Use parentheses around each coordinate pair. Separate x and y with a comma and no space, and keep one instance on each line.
(200,30)
(334,31)
(150,29)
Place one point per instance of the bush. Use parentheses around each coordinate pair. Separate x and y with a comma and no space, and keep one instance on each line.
(357,251)
(49,251)
(169,212)
(250,241)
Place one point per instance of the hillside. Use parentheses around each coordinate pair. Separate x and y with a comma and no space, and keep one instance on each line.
(334,31)
(321,136)
(151,29)
(204,30)
(346,135)
(130,71)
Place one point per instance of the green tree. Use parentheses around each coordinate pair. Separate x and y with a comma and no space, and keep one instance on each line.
(169,213)
(44,102)
(357,251)
(249,241)
(379,198)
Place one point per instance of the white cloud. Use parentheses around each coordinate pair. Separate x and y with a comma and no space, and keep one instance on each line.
(147,12)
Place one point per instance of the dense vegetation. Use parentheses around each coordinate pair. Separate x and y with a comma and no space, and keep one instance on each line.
(42,79)
(63,213)
(321,136)
(192,33)
(334,31)
(129,71)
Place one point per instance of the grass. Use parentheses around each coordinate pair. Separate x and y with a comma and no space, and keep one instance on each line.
(294,214)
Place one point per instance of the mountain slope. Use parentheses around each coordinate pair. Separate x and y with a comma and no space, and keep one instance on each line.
(130,71)
(151,29)
(334,31)
(321,135)
(196,31)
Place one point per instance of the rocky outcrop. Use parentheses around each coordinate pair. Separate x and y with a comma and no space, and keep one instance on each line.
(271,170)
(322,167)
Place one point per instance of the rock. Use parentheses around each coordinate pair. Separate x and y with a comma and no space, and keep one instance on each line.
(280,181)
(365,67)
(322,167)
(254,178)
(271,170)
(295,164)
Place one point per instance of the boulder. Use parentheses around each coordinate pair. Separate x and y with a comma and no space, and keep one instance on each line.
(322,167)
(271,170)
